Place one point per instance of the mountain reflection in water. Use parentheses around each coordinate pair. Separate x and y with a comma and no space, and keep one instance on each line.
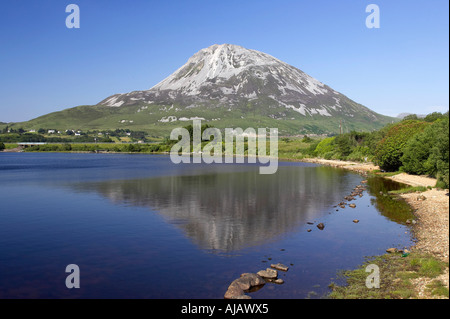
(227,211)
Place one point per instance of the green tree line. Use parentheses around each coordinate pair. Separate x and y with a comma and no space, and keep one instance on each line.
(413,145)
(32,137)
(119,148)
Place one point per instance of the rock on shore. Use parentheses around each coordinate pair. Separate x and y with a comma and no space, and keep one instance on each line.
(238,287)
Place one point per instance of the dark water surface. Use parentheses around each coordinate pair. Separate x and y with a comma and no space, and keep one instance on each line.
(139,226)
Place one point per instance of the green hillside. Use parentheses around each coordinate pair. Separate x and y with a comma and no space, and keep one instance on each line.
(159,120)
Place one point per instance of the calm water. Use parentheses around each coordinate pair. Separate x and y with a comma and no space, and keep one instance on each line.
(139,226)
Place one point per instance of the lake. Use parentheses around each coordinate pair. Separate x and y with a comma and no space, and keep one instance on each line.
(139,226)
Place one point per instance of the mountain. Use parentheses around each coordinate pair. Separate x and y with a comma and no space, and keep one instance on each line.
(227,86)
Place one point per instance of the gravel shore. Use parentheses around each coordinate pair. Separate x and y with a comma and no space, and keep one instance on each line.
(431,211)
(431,231)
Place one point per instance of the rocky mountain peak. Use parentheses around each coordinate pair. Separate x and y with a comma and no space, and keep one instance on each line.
(232,77)
(215,64)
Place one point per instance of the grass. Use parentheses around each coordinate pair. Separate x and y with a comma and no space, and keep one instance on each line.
(407,190)
(396,275)
(384,174)
(292,148)
(9,146)
(437,288)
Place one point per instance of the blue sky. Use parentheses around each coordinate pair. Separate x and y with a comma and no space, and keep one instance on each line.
(123,46)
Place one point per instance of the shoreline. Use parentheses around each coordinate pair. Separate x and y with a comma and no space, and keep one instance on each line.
(431,209)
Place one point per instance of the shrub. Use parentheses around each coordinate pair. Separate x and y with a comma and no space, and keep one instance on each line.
(66,147)
(344,145)
(328,155)
(2,146)
(360,153)
(325,146)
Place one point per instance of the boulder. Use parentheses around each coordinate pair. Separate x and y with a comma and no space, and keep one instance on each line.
(269,273)
(249,280)
(352,205)
(234,291)
(237,288)
(321,226)
(280,267)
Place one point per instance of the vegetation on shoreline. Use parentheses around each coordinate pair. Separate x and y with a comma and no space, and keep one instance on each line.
(100,147)
(411,189)
(415,146)
(12,135)
(397,271)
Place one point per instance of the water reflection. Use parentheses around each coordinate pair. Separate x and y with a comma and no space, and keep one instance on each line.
(231,210)
(392,207)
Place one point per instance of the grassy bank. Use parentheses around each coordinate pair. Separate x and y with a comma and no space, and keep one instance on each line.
(413,275)
(398,272)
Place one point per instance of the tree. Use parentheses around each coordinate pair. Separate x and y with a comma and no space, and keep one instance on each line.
(389,150)
(190,129)
(344,145)
(434,116)
(428,152)
(410,117)
(325,146)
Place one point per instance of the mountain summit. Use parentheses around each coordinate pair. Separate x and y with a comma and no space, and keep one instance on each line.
(232,78)
(232,71)
(229,86)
